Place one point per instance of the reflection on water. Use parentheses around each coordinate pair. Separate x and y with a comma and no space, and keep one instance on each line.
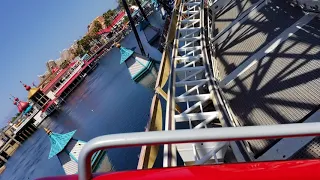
(107,102)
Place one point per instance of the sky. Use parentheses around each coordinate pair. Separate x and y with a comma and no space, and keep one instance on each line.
(33,32)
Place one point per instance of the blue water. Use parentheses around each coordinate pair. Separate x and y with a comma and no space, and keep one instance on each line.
(107,102)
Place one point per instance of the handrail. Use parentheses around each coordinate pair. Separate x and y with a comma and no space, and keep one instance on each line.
(162,78)
(185,48)
(194,135)
(165,55)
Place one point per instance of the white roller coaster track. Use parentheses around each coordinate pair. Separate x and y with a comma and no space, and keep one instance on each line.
(191,74)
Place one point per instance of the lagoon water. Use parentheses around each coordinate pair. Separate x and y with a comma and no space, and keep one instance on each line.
(106,102)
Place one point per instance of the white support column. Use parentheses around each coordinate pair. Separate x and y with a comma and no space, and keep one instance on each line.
(270,47)
(32,130)
(195,116)
(3,159)
(21,137)
(24,135)
(12,138)
(27,132)
(286,147)
(6,145)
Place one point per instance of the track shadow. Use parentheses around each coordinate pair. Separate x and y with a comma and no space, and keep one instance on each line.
(280,88)
(255,33)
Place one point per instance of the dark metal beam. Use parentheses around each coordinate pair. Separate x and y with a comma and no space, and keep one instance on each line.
(142,11)
(165,6)
(125,5)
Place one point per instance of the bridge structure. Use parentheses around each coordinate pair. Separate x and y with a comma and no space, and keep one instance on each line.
(242,63)
(237,79)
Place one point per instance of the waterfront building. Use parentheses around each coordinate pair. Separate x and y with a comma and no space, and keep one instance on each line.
(100,19)
(66,55)
(51,65)
(65,81)
(40,100)
(116,21)
(67,149)
(43,77)
(43,101)
(142,69)
(62,77)
(2,142)
(24,124)
(95,46)
(85,57)
(8,144)
(27,110)
(21,105)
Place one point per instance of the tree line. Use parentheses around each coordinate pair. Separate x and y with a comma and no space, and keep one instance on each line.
(83,45)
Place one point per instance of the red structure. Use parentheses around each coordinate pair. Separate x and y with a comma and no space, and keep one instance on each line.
(36,96)
(47,106)
(56,69)
(278,170)
(57,78)
(25,86)
(21,105)
(108,29)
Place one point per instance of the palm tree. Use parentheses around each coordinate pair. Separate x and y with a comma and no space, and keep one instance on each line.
(111,12)
(107,22)
(96,26)
(125,19)
(108,16)
(64,64)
